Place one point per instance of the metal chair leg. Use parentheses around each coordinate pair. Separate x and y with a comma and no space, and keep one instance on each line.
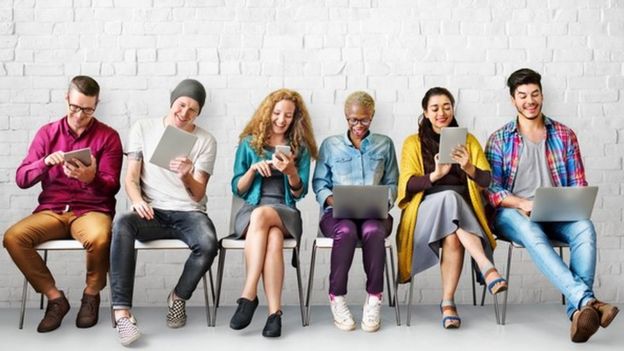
(409,303)
(206,301)
(395,302)
(387,273)
(563,301)
(472,278)
(503,316)
(220,266)
(212,291)
(300,287)
(45,260)
(23,308)
(310,281)
(110,297)
(483,295)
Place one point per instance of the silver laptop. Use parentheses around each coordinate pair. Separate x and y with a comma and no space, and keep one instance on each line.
(173,143)
(361,201)
(563,204)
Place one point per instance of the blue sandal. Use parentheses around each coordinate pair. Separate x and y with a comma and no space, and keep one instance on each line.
(492,286)
(455,321)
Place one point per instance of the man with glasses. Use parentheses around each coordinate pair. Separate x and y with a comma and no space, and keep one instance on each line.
(167,204)
(77,201)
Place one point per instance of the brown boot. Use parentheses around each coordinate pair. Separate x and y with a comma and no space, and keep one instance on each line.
(56,310)
(584,324)
(89,311)
(607,312)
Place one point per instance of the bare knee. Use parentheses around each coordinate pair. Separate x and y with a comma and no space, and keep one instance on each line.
(275,242)
(452,243)
(262,216)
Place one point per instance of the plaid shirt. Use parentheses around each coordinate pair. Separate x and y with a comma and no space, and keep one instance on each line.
(562,154)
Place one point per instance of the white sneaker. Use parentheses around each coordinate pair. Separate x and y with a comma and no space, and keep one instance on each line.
(127,330)
(343,319)
(371,314)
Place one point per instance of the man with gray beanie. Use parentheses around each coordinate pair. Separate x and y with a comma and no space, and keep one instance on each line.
(166,204)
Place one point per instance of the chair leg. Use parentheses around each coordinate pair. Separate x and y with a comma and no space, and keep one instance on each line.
(563,301)
(206,301)
(483,294)
(409,302)
(23,308)
(503,316)
(472,278)
(310,281)
(110,299)
(212,292)
(395,302)
(220,265)
(300,287)
(45,260)
(387,273)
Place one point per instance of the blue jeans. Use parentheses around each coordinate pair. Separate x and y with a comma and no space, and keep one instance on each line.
(574,282)
(194,228)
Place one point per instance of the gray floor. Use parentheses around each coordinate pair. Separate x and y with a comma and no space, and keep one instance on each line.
(529,327)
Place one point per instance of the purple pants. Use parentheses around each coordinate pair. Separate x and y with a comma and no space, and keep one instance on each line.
(346,233)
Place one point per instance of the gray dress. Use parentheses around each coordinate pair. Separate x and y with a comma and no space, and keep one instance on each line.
(272,195)
(442,211)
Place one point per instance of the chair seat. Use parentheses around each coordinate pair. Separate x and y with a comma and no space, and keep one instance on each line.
(160,244)
(69,244)
(327,243)
(240,244)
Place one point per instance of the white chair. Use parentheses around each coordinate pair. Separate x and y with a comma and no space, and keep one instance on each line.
(52,245)
(233,244)
(322,242)
(175,244)
(500,317)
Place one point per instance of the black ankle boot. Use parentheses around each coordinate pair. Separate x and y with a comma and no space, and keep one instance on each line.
(273,326)
(244,313)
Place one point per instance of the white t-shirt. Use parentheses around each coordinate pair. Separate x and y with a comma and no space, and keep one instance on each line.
(161,187)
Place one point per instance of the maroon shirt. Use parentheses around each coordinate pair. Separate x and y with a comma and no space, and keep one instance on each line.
(59,191)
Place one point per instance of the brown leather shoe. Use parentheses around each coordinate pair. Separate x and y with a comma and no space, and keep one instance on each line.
(584,324)
(89,311)
(607,312)
(56,310)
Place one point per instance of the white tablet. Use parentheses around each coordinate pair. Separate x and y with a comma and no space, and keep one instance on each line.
(82,155)
(450,137)
(173,143)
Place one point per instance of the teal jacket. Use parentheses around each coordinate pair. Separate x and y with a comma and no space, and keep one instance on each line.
(246,156)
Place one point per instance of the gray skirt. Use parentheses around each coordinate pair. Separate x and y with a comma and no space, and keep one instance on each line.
(439,215)
(290,216)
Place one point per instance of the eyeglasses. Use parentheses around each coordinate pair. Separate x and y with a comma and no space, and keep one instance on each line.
(365,122)
(86,110)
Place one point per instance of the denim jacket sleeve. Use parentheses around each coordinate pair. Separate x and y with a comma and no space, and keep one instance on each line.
(322,180)
(391,173)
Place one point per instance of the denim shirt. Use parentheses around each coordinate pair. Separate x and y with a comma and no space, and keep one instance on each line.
(246,156)
(340,163)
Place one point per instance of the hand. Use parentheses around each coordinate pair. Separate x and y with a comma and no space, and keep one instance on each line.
(329,201)
(263,167)
(143,209)
(525,207)
(461,154)
(53,159)
(284,163)
(77,170)
(441,169)
(182,166)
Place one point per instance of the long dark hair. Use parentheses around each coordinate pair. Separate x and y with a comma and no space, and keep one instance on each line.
(429,139)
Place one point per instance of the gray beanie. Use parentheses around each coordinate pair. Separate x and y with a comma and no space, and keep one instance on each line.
(190,88)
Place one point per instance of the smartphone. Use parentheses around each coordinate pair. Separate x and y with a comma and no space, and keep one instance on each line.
(285,149)
(83,155)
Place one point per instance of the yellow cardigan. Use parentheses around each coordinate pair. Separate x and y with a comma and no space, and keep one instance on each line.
(412,165)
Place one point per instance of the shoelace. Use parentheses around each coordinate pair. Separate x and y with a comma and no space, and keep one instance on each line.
(54,309)
(343,310)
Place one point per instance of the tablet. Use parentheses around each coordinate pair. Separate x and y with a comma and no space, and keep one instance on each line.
(449,139)
(173,143)
(83,155)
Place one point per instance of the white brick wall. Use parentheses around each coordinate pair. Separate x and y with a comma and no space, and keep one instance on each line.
(240,50)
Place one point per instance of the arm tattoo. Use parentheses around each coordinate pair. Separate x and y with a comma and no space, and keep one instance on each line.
(136,155)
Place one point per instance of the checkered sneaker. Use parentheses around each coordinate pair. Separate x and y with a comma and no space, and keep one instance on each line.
(176,316)
(127,330)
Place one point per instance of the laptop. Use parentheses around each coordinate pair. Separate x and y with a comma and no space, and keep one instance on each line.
(361,201)
(563,204)
(173,143)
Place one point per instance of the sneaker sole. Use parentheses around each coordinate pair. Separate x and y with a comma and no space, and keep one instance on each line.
(370,328)
(175,325)
(128,341)
(587,325)
(344,327)
(609,317)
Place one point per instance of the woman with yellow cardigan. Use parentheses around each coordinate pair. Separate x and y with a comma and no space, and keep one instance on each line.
(441,206)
